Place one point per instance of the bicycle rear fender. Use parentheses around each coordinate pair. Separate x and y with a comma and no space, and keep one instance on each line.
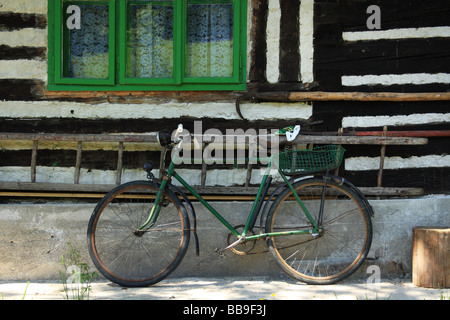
(341,180)
(295,178)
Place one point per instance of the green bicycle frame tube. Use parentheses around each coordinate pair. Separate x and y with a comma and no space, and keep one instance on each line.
(206,204)
(308,215)
(153,215)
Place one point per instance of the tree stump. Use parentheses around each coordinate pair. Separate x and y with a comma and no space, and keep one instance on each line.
(431,258)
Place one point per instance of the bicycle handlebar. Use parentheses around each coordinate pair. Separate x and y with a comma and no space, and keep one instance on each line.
(165,138)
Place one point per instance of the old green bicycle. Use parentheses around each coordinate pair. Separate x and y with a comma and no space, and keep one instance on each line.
(318,228)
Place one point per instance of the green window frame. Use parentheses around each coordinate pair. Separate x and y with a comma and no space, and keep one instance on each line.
(147,45)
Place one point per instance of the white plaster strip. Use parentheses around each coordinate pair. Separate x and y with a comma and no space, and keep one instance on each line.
(23,69)
(379,121)
(367,163)
(59,109)
(24,6)
(306,40)
(214,177)
(404,33)
(27,37)
(392,79)
(273,41)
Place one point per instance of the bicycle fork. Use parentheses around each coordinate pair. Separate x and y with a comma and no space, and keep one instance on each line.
(156,208)
(153,214)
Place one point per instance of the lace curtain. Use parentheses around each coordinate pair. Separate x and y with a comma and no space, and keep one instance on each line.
(150,46)
(150,41)
(210,40)
(89,46)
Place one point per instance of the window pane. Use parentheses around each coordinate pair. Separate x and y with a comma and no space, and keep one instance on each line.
(150,40)
(210,40)
(87,47)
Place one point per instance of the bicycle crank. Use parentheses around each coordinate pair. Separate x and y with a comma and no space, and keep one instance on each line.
(240,246)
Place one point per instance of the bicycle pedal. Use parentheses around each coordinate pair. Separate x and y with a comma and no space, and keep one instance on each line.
(234,244)
(220,253)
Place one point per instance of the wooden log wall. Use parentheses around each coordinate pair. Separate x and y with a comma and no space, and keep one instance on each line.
(303,46)
(13,25)
(408,54)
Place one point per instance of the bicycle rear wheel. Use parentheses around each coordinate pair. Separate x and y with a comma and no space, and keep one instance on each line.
(340,246)
(130,258)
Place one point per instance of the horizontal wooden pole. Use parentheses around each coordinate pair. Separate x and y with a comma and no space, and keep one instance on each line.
(214,192)
(55,187)
(268,96)
(142,96)
(101,195)
(374,140)
(387,133)
(391,191)
(418,133)
(351,96)
(149,137)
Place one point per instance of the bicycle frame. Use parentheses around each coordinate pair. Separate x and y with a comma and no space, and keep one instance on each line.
(153,215)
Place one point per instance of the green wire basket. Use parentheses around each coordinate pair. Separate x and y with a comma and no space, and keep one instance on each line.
(311,160)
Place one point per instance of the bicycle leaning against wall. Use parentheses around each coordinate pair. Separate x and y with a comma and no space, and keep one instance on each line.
(316,225)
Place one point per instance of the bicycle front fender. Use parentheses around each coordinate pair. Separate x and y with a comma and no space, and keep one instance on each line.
(191,210)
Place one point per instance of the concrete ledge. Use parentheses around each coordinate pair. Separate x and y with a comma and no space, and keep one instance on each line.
(33,237)
(202,288)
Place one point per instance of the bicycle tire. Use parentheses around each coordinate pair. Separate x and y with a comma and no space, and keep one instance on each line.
(340,247)
(128,258)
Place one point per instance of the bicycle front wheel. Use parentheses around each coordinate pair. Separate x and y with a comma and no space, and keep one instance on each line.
(337,249)
(126,256)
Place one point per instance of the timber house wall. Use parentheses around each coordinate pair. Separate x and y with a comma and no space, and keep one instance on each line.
(293,46)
